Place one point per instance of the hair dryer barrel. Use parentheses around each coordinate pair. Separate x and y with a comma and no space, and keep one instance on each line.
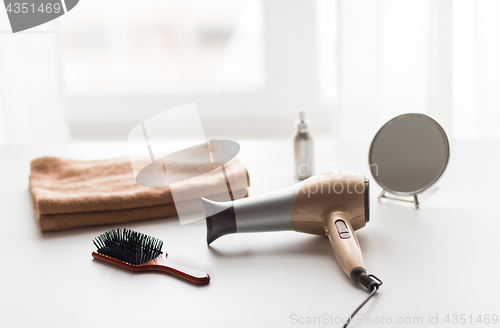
(268,212)
(303,207)
(330,204)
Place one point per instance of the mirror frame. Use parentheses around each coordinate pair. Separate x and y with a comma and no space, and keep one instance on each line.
(416,192)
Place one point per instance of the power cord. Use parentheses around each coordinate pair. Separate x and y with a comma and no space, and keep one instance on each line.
(375,286)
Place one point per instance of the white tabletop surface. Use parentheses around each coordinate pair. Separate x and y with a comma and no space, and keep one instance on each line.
(442,259)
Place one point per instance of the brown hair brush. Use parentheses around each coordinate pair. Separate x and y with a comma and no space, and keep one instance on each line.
(135,251)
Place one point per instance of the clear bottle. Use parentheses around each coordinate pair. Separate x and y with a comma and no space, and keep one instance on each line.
(303,147)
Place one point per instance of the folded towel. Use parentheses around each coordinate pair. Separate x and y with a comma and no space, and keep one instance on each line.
(69,194)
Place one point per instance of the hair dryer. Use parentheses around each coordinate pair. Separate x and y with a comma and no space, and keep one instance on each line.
(328,204)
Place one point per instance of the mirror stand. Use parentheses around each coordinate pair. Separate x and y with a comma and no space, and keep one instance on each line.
(414,201)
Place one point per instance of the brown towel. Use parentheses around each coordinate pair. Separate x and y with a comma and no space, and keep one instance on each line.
(69,194)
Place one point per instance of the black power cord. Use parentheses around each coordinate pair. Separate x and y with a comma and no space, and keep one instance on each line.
(359,307)
(374,287)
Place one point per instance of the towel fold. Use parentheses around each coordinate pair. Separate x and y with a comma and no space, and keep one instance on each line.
(68,194)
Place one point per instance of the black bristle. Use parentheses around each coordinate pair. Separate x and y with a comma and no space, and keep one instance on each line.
(129,246)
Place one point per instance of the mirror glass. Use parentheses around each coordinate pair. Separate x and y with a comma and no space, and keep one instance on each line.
(408,154)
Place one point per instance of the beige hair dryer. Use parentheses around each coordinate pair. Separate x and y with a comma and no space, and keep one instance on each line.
(329,204)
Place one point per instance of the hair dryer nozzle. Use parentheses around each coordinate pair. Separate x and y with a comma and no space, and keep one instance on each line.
(221,223)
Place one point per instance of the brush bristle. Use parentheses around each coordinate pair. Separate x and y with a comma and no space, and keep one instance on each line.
(129,246)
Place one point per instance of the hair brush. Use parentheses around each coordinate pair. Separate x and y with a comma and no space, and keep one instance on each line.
(135,251)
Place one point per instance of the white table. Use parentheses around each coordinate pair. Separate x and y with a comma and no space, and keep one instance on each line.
(440,259)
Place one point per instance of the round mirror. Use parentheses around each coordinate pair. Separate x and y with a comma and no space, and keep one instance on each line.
(408,154)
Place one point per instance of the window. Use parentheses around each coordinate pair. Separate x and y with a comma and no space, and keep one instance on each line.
(248,64)
(164,43)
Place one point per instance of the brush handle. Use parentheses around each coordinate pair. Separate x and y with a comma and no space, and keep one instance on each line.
(162,264)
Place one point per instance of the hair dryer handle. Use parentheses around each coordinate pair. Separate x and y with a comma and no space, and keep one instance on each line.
(344,243)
